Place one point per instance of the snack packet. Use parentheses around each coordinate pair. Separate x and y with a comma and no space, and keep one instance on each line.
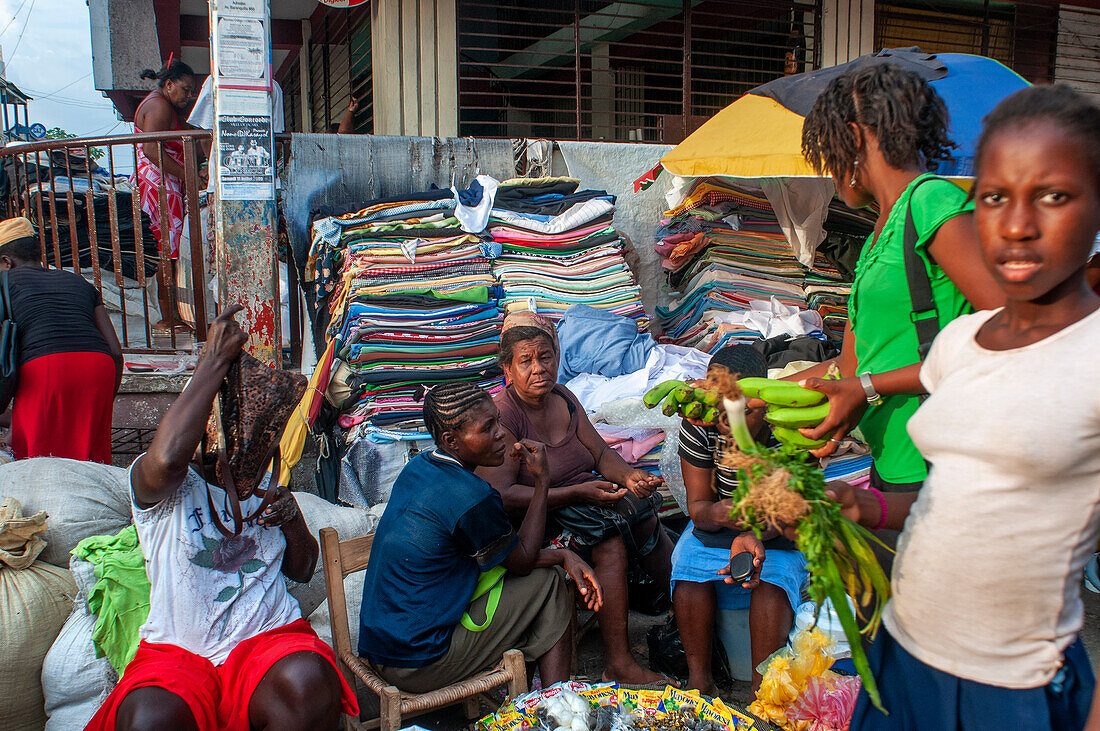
(642,702)
(602,695)
(674,699)
(512,722)
(719,713)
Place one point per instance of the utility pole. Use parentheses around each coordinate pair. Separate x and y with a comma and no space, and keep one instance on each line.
(243,161)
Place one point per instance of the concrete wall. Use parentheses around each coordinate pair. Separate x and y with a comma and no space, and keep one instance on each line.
(847,30)
(414,47)
(124,41)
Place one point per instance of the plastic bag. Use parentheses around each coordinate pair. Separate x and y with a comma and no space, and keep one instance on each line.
(787,674)
(827,703)
(632,412)
(666,653)
(812,655)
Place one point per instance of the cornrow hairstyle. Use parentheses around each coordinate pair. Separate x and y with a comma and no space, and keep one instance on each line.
(448,406)
(172,71)
(1056,104)
(907,115)
(513,336)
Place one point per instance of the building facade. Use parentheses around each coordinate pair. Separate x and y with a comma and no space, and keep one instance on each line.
(628,70)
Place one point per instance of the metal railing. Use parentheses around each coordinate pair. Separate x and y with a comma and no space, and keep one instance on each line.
(89,219)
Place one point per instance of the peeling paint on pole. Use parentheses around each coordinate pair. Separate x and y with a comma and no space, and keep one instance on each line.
(247,272)
(245,219)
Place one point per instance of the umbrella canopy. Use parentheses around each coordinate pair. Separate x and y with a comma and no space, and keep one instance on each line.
(760,134)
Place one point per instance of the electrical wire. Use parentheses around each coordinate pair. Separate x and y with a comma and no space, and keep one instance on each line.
(100,132)
(65,100)
(13,17)
(26,22)
(66,86)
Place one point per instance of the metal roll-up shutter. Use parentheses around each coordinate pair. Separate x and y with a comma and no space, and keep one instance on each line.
(1077,60)
(1021,35)
(645,70)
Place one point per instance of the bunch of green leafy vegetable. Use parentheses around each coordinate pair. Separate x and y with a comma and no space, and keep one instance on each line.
(783,487)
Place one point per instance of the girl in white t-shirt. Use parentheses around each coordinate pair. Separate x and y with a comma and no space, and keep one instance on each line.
(981,630)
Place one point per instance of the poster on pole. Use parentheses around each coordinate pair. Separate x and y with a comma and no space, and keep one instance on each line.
(246,163)
(242,55)
(242,8)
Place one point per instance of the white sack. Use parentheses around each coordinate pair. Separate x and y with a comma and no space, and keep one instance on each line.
(34,603)
(74,682)
(321,619)
(81,498)
(320,513)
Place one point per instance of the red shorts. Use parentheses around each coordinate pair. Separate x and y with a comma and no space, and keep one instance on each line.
(217,696)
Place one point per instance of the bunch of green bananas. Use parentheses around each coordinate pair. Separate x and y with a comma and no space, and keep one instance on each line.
(676,397)
(790,408)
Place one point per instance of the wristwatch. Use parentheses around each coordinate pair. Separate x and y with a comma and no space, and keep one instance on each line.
(873,396)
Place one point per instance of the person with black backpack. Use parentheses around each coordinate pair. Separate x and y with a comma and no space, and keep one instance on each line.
(879,131)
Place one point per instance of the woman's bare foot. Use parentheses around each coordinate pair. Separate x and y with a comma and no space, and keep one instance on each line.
(710,689)
(635,674)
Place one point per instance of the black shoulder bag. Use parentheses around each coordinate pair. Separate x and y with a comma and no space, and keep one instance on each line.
(9,346)
(924,315)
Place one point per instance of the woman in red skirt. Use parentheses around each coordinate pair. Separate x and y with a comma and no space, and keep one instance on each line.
(70,362)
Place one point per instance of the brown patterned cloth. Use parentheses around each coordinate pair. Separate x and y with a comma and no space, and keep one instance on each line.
(526,318)
(256,402)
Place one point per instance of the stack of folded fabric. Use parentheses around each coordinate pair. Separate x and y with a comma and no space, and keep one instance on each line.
(827,292)
(560,249)
(641,448)
(848,467)
(723,248)
(413,302)
(828,284)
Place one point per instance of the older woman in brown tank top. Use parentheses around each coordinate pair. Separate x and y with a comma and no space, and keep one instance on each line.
(600,506)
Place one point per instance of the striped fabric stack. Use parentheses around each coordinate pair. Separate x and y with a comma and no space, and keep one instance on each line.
(829,283)
(559,249)
(723,247)
(413,302)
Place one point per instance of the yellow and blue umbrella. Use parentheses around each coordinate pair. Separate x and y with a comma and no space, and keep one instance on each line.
(760,134)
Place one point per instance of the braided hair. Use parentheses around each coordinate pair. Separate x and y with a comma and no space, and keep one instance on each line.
(448,406)
(174,70)
(1058,104)
(907,115)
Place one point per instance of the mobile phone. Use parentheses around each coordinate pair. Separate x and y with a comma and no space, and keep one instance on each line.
(741,566)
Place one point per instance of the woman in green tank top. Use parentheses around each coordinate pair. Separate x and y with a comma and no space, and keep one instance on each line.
(878,131)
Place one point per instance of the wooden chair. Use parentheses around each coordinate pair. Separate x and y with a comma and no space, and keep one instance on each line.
(346,557)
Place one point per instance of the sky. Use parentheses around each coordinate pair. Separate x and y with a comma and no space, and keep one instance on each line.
(47,49)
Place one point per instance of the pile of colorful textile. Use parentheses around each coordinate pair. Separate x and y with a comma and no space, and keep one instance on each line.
(559,249)
(828,284)
(641,448)
(413,301)
(725,252)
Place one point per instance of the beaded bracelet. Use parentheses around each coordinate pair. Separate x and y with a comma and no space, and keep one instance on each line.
(882,506)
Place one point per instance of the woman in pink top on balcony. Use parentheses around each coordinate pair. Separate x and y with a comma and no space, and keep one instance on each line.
(163,110)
